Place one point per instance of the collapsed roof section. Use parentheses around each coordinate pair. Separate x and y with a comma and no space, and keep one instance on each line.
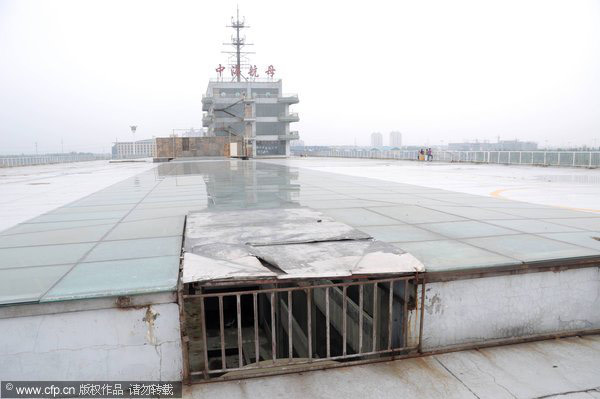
(285,243)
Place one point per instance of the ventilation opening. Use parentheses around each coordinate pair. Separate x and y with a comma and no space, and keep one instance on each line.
(269,328)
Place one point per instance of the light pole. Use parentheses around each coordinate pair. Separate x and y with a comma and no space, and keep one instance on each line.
(133,129)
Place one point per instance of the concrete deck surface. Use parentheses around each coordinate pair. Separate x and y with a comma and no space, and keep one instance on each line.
(134,227)
(567,368)
(29,191)
(577,188)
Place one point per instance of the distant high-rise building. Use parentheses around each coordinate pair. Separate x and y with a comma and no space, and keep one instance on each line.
(395,139)
(376,139)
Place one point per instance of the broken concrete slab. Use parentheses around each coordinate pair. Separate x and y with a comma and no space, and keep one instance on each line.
(300,242)
(198,268)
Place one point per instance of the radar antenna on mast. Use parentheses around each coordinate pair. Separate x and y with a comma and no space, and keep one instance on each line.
(238,58)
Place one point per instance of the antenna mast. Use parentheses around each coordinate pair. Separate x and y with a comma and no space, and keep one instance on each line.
(238,58)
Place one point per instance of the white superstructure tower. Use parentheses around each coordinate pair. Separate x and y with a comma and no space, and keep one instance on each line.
(247,107)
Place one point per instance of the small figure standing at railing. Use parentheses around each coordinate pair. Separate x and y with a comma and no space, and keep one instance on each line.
(429,154)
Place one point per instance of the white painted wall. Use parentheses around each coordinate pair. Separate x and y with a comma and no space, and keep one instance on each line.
(481,309)
(107,344)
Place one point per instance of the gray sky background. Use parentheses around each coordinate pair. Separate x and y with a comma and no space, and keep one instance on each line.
(438,71)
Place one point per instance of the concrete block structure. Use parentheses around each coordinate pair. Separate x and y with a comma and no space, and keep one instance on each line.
(257,113)
(181,147)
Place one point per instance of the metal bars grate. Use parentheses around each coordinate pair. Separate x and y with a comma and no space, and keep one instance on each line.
(265,327)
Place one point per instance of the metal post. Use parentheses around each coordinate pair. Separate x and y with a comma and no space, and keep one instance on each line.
(360,317)
(405,315)
(239,330)
(290,335)
(273,341)
(327,332)
(422,310)
(309,321)
(391,301)
(344,321)
(374,339)
(256,343)
(204,343)
(222,333)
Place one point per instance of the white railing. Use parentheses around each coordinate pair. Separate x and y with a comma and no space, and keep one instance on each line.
(587,159)
(28,160)
(139,155)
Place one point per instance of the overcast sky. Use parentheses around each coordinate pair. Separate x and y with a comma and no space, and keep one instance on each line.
(438,71)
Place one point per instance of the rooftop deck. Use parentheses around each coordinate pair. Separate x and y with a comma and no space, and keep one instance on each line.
(566,368)
(126,238)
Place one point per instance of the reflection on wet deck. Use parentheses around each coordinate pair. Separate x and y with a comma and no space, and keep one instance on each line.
(64,254)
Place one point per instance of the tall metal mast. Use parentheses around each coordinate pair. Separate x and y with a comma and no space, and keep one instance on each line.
(238,57)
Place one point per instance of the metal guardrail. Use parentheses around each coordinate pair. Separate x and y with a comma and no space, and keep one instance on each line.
(259,331)
(587,159)
(30,160)
(291,117)
(133,156)
(241,95)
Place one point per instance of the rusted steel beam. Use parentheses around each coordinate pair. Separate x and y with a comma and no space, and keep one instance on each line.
(204,344)
(301,288)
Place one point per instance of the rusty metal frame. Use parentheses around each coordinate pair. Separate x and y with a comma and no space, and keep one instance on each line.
(185,350)
(361,355)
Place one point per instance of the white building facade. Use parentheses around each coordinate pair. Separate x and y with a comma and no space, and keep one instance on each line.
(257,113)
(134,149)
